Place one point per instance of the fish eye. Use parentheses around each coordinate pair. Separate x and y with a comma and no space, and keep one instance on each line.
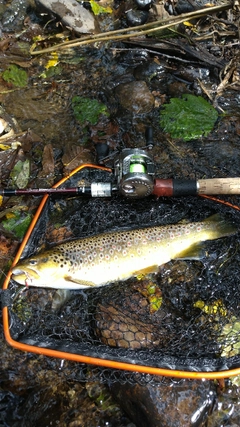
(33,261)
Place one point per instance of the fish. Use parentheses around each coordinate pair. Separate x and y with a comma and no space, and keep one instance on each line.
(117,256)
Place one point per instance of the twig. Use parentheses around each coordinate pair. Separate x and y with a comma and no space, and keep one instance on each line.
(132,31)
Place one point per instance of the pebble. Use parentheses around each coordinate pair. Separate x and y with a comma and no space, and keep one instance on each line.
(135,97)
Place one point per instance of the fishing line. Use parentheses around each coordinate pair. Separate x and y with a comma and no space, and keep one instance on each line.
(223,202)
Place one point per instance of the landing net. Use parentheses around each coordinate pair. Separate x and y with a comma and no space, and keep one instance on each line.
(185,318)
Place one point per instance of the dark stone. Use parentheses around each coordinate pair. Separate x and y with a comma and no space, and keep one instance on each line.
(180,404)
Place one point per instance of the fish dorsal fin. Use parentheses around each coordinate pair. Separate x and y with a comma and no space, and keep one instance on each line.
(194,252)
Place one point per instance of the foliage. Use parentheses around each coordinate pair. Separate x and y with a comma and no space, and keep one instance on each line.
(88,110)
(97,9)
(15,76)
(53,61)
(56,70)
(17,224)
(52,67)
(20,174)
(188,118)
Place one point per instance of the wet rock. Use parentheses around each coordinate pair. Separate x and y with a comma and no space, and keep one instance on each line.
(136,17)
(135,97)
(227,407)
(40,392)
(184,6)
(144,4)
(14,15)
(149,70)
(72,15)
(183,404)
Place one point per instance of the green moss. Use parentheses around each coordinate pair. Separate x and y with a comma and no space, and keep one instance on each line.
(88,110)
(15,76)
(189,117)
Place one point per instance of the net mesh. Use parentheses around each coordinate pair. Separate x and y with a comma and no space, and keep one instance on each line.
(186,317)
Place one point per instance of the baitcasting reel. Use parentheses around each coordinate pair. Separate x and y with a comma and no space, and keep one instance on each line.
(135,171)
(134,168)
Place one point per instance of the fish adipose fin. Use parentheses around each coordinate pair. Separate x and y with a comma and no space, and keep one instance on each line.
(79,282)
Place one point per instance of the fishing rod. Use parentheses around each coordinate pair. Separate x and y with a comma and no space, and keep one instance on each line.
(134,174)
(138,186)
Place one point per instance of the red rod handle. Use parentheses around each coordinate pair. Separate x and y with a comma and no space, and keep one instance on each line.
(175,187)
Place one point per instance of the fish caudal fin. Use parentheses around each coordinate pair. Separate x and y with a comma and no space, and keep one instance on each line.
(218,227)
(215,228)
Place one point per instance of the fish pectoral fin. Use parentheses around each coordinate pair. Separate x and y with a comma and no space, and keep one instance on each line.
(146,271)
(194,252)
(79,282)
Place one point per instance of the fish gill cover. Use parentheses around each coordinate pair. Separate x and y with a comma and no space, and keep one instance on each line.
(178,319)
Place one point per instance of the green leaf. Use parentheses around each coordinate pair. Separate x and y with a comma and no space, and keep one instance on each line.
(88,110)
(15,75)
(20,173)
(188,118)
(97,9)
(17,224)
(51,71)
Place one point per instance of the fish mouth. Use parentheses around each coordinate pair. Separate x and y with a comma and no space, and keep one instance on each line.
(23,276)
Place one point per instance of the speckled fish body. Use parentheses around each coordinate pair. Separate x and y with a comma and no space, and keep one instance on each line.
(110,257)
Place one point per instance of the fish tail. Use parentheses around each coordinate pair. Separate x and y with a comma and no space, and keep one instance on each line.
(220,227)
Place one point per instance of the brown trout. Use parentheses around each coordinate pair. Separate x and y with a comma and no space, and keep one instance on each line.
(110,257)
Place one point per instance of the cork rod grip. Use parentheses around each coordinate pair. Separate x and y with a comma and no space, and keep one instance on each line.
(218,186)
